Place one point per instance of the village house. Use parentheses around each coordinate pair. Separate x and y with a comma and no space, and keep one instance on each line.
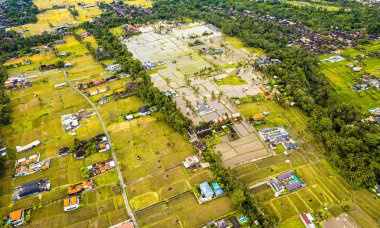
(101,167)
(191,162)
(30,165)
(307,220)
(29,146)
(17,217)
(84,186)
(31,188)
(71,203)
(97,90)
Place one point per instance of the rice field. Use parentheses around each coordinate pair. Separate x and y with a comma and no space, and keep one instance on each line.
(36,116)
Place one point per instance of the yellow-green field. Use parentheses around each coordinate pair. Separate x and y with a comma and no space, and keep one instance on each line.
(36,116)
(319,6)
(343,77)
(143,3)
(237,43)
(57,17)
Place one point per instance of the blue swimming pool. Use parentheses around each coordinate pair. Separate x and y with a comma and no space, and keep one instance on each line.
(296,178)
(215,185)
(243,220)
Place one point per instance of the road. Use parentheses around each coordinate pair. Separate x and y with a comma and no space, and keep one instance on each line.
(129,210)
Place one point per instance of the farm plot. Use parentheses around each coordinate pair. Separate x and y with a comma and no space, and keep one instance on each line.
(36,116)
(294,121)
(342,78)
(185,211)
(146,146)
(47,21)
(154,189)
(324,188)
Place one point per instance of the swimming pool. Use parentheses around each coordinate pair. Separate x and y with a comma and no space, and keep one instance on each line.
(296,178)
(215,185)
(243,220)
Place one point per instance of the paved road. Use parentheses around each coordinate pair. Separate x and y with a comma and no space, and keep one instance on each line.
(130,212)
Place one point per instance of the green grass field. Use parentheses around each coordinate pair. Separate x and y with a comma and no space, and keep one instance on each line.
(231,80)
(237,43)
(320,6)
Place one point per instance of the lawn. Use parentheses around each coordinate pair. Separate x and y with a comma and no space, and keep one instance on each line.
(320,6)
(231,80)
(143,3)
(237,43)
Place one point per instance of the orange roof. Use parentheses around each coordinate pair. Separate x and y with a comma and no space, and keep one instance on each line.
(77,189)
(44,167)
(74,200)
(16,215)
(102,145)
(258,116)
(88,183)
(66,202)
(92,90)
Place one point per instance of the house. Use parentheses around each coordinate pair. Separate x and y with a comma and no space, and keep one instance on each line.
(235,222)
(63,151)
(357,69)
(60,85)
(3,151)
(17,217)
(200,146)
(69,65)
(97,82)
(30,165)
(102,167)
(31,188)
(191,162)
(60,42)
(222,223)
(69,122)
(307,220)
(28,146)
(128,117)
(79,154)
(206,191)
(258,117)
(71,203)
(144,111)
(84,186)
(97,90)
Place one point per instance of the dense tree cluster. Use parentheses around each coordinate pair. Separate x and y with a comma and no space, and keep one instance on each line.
(18,12)
(352,146)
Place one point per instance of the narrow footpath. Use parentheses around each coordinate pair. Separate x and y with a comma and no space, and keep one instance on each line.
(129,210)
